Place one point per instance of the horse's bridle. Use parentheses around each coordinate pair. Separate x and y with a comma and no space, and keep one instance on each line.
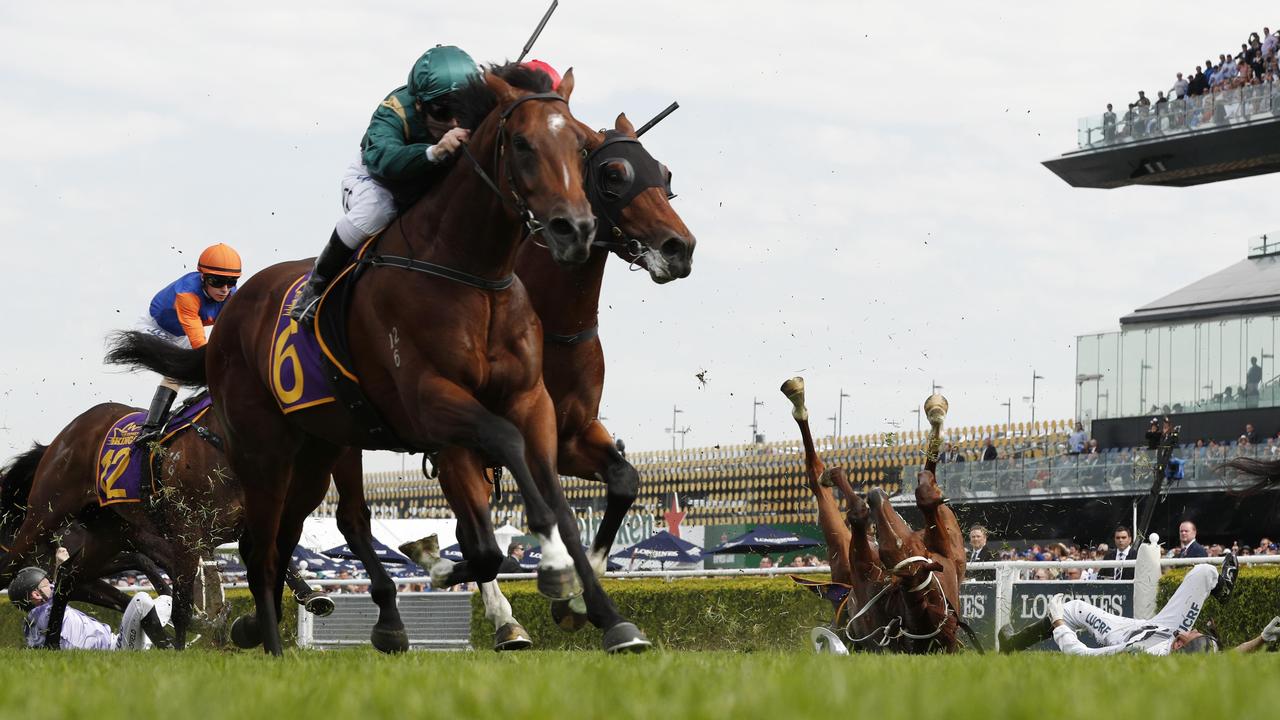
(894,628)
(515,202)
(607,203)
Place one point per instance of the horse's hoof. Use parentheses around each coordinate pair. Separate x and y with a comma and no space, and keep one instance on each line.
(561,584)
(826,642)
(625,637)
(389,641)
(511,636)
(566,616)
(319,604)
(244,632)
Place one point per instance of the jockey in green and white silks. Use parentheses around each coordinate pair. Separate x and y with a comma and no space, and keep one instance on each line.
(411,138)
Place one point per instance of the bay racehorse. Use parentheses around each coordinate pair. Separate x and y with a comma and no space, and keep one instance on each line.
(447,349)
(194,506)
(630,193)
(15,488)
(903,587)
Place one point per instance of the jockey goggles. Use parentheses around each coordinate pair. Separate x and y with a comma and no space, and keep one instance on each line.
(221,281)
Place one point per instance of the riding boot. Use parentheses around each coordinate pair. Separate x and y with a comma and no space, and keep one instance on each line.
(1038,631)
(156,414)
(154,629)
(329,263)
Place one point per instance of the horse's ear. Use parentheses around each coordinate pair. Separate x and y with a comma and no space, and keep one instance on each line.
(566,85)
(506,94)
(624,126)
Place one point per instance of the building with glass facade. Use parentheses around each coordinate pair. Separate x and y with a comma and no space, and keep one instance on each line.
(1208,347)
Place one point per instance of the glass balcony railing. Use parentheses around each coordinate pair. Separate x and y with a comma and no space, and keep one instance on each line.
(1115,472)
(1211,111)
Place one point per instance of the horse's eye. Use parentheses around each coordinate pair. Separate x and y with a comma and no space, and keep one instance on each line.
(521,143)
(616,177)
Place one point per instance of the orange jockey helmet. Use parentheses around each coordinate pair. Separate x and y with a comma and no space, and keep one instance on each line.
(220,259)
(546,68)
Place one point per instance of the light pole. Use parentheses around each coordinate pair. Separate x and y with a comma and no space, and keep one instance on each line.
(755,428)
(917,412)
(936,388)
(1081,379)
(1142,386)
(840,413)
(833,420)
(1008,406)
(1034,377)
(674,428)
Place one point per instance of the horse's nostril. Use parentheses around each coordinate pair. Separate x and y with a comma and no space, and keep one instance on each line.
(673,248)
(561,227)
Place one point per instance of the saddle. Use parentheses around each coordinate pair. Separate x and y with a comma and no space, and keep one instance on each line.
(120,472)
(331,333)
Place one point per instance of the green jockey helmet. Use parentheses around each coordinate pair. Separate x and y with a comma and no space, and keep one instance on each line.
(440,71)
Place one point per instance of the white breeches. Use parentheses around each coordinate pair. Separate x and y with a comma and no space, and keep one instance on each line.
(369,207)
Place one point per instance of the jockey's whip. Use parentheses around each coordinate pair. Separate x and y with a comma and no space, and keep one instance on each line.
(534,37)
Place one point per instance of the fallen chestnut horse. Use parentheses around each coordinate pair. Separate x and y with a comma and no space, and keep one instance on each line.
(893,588)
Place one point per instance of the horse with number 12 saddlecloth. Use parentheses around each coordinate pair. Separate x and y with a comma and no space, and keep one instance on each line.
(901,590)
(445,345)
(172,501)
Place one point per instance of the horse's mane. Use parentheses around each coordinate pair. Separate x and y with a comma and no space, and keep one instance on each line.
(473,102)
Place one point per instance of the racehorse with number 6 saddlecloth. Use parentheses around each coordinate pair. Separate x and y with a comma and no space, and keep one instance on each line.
(904,588)
(172,501)
(445,345)
(630,194)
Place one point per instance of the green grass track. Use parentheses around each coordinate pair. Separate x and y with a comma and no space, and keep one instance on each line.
(548,684)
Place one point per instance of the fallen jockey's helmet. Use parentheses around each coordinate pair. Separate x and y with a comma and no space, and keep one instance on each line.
(545,67)
(23,584)
(1202,644)
(440,71)
(220,259)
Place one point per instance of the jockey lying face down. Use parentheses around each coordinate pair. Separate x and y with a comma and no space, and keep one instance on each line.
(1171,630)
(141,627)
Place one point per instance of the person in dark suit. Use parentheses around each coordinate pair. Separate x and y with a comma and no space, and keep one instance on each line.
(1125,550)
(979,552)
(1190,548)
(511,563)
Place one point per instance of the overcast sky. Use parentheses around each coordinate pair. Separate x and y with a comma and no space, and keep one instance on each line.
(864,181)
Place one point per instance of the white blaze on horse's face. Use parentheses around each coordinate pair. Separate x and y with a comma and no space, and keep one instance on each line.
(555,556)
(564,171)
(555,121)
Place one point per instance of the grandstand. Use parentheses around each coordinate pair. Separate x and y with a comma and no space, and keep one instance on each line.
(749,484)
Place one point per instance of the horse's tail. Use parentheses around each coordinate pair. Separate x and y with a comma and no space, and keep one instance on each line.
(136,349)
(1259,474)
(15,487)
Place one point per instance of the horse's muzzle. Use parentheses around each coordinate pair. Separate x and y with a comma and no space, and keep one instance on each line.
(569,238)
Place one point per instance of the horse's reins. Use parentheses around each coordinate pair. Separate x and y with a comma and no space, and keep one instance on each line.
(515,203)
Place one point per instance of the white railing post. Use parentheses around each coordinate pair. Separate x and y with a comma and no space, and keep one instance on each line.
(306,628)
(1005,574)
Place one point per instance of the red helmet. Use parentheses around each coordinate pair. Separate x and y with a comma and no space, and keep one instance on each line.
(546,68)
(220,259)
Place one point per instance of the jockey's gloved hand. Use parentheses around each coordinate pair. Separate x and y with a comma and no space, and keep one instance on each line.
(1271,632)
(450,142)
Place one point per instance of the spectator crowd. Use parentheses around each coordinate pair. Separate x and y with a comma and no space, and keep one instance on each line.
(1255,64)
